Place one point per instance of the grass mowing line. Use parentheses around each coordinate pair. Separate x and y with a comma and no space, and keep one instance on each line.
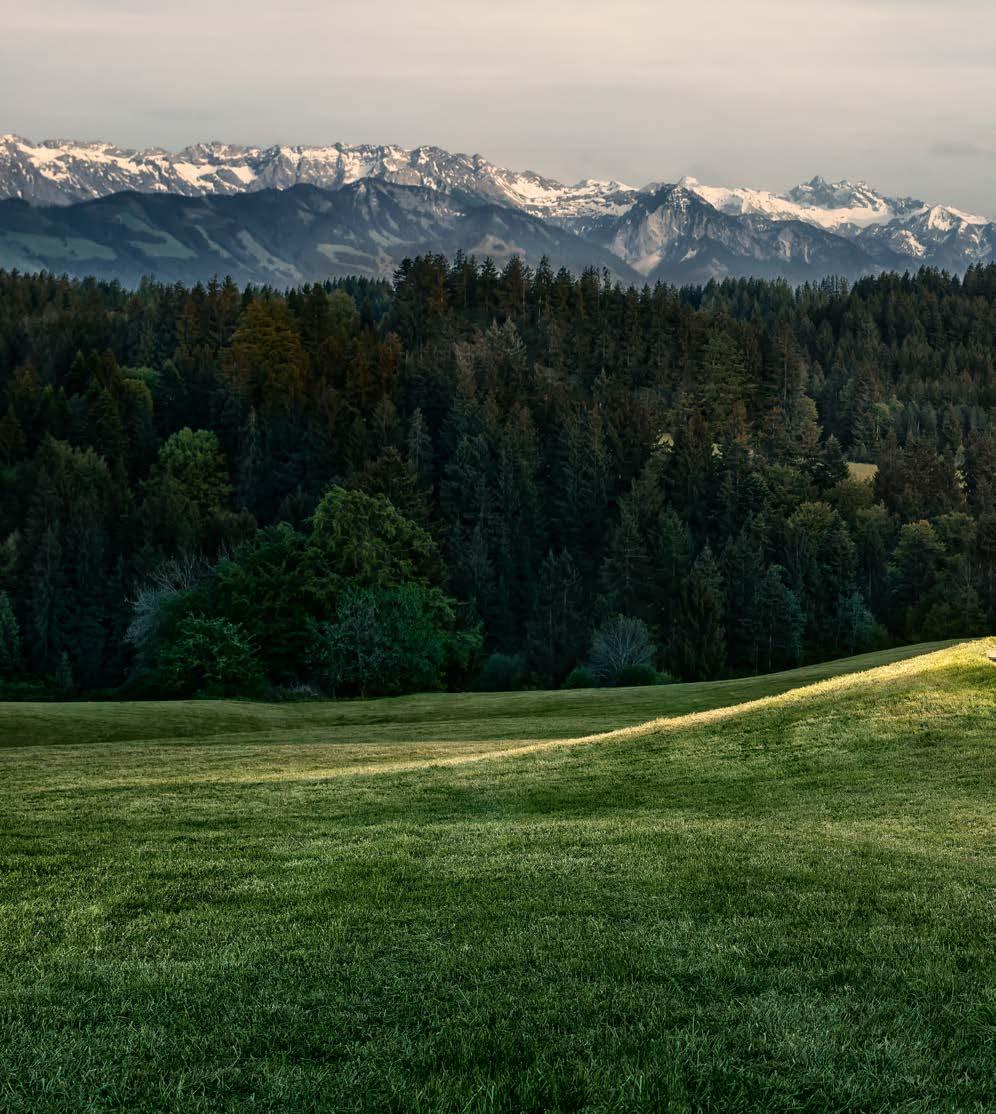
(664,724)
(693,719)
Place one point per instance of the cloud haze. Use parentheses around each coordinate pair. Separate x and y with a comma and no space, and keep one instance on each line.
(765,94)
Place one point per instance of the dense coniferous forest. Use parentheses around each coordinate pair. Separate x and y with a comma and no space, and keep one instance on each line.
(486,478)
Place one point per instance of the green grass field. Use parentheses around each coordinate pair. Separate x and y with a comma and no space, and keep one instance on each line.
(774,898)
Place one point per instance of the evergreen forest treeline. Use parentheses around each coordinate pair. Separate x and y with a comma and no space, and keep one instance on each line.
(482,477)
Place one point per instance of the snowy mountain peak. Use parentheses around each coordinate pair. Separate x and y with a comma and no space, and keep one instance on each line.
(944,218)
(844,194)
(832,206)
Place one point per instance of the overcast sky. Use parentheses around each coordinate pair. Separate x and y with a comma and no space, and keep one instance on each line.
(763,93)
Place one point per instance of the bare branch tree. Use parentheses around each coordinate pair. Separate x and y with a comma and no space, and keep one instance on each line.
(618,644)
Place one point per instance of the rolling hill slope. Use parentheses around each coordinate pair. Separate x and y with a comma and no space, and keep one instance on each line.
(779,905)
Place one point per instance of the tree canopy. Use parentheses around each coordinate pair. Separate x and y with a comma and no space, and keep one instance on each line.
(759,475)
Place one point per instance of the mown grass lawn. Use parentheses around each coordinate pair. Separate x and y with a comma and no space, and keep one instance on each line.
(449,903)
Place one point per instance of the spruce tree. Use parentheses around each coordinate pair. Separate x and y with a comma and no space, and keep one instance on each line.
(557,633)
(10,640)
(698,652)
(776,623)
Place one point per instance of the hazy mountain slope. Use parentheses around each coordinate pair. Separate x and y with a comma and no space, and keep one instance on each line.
(674,235)
(835,206)
(277,236)
(937,235)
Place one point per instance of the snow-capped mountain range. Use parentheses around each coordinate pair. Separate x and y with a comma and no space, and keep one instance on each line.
(60,172)
(686,231)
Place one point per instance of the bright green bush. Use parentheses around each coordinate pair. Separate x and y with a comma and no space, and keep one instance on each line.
(384,641)
(209,657)
(502,673)
(263,587)
(363,541)
(580,677)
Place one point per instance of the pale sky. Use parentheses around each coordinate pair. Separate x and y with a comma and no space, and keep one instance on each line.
(766,93)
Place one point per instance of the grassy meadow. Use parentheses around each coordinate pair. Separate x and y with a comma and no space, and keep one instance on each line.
(773,893)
